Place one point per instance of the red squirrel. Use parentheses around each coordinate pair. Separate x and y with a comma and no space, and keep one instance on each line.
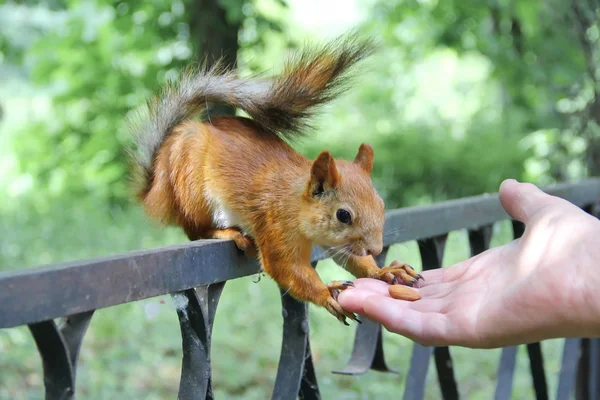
(238,178)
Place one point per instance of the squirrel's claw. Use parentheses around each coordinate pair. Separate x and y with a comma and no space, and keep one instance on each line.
(336,286)
(337,311)
(332,305)
(397,273)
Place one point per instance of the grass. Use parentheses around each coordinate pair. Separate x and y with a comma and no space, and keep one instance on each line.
(133,351)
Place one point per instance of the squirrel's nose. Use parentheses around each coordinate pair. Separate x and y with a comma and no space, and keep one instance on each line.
(374,251)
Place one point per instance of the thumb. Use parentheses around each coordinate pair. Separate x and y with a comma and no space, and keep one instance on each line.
(521,200)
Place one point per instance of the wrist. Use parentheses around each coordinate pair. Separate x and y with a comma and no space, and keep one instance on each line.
(583,310)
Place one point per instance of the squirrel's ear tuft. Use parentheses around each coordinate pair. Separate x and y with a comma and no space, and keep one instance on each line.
(323,174)
(364,157)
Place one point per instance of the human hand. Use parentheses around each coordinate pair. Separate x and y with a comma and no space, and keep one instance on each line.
(541,286)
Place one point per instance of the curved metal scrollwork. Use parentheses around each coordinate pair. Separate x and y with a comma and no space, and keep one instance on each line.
(296,373)
(59,348)
(432,255)
(196,310)
(367,352)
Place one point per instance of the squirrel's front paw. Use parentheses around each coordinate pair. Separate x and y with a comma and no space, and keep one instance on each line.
(332,304)
(397,273)
(337,311)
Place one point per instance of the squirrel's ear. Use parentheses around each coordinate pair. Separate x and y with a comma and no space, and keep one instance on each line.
(323,174)
(364,157)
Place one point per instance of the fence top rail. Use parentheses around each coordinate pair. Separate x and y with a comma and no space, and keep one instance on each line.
(37,294)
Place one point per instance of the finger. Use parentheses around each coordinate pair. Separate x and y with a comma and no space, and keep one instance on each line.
(353,300)
(429,328)
(374,285)
(521,200)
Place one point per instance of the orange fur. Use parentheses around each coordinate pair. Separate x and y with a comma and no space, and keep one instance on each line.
(237,178)
(268,187)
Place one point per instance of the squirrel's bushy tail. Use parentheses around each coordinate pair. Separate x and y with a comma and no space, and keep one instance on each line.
(282,104)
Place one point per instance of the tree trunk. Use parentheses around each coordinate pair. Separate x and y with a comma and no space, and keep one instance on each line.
(593,145)
(214,37)
(583,20)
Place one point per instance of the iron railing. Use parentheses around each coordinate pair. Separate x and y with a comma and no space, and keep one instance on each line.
(195,273)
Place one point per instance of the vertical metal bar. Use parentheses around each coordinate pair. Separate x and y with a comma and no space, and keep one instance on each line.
(538,376)
(209,296)
(196,311)
(594,370)
(586,386)
(294,376)
(443,359)
(568,369)
(367,352)
(379,363)
(508,358)
(518,229)
(445,369)
(432,251)
(583,372)
(309,388)
(506,369)
(73,329)
(594,380)
(414,389)
(432,254)
(479,239)
(59,381)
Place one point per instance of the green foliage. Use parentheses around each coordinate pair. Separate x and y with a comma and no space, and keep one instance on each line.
(542,55)
(107,57)
(431,142)
(454,168)
(418,166)
(104,61)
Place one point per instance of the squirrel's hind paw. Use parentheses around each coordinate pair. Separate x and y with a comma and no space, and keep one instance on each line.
(245,243)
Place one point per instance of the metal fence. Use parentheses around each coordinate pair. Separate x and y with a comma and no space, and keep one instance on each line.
(195,273)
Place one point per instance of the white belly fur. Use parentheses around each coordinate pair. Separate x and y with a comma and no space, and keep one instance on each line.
(222,216)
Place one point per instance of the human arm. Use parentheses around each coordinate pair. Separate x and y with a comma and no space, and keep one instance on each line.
(544,285)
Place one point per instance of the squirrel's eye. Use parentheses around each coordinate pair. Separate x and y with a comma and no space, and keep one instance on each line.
(343,216)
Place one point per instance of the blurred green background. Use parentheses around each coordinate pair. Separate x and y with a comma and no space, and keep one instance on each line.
(462,95)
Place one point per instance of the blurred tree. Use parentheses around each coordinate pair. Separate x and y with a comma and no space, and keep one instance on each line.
(543,53)
(103,60)
(215,31)
(585,18)
(533,109)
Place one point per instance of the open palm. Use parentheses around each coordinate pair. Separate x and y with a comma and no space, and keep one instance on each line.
(537,287)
